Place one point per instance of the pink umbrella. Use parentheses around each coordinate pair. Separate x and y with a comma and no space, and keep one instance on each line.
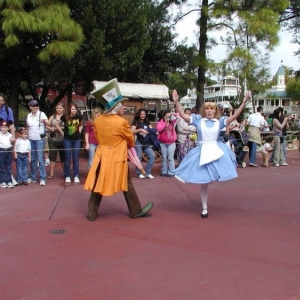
(135,160)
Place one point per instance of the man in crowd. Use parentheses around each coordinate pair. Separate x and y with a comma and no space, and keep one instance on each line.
(6,114)
(256,125)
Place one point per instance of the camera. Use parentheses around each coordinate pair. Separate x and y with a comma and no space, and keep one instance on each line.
(43,135)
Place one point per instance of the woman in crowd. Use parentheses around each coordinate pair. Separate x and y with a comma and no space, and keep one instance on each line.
(141,128)
(278,155)
(167,137)
(71,141)
(36,121)
(211,160)
(55,138)
(91,142)
(185,132)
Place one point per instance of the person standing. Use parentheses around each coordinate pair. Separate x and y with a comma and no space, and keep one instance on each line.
(256,124)
(141,128)
(211,160)
(55,138)
(91,142)
(167,137)
(6,114)
(278,156)
(185,142)
(109,173)
(22,154)
(71,141)
(6,147)
(283,115)
(36,121)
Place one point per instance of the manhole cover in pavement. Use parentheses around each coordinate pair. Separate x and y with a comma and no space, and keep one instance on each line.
(58,231)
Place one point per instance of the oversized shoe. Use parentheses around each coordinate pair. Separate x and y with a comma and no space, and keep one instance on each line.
(91,217)
(145,210)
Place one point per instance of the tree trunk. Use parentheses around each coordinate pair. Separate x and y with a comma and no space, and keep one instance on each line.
(202,53)
(14,87)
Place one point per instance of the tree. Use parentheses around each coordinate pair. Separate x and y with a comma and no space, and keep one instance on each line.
(33,32)
(254,21)
(290,20)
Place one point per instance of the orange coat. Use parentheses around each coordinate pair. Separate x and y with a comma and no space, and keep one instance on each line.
(114,136)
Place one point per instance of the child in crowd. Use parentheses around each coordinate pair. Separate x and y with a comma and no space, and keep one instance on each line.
(265,149)
(22,153)
(6,140)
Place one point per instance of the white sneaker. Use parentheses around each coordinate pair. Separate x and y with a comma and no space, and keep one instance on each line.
(30,181)
(42,182)
(68,180)
(141,176)
(13,180)
(76,179)
(150,176)
(10,185)
(47,163)
(3,185)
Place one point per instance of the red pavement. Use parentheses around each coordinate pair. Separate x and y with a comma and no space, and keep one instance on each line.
(248,248)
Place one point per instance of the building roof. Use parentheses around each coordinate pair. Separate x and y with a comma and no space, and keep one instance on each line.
(281,94)
(281,71)
(140,90)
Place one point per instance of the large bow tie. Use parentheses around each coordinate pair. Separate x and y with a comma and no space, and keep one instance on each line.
(205,119)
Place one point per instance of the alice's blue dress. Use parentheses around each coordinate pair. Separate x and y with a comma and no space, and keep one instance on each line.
(211,160)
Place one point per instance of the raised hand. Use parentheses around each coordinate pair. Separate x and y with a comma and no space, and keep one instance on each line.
(175,96)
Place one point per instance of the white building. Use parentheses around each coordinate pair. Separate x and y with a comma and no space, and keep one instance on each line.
(276,96)
(228,89)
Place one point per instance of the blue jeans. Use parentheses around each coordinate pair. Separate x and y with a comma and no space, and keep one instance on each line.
(252,152)
(283,147)
(92,150)
(37,155)
(150,154)
(72,148)
(22,167)
(5,166)
(168,163)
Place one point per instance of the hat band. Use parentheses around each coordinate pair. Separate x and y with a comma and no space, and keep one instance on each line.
(110,104)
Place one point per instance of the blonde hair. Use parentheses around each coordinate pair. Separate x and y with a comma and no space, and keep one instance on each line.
(211,105)
(93,115)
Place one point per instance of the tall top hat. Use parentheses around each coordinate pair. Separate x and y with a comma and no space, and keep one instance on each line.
(109,95)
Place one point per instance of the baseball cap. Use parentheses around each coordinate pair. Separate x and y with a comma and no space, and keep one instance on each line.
(33,102)
(4,123)
(220,106)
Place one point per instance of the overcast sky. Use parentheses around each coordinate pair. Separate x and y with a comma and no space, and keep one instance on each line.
(187,27)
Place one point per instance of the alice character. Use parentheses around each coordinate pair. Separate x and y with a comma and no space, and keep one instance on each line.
(211,160)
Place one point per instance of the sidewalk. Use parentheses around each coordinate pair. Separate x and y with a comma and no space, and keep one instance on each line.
(247,249)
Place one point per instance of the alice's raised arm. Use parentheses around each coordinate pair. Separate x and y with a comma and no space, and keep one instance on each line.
(179,109)
(239,110)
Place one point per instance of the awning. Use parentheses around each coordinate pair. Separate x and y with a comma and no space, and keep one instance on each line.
(140,90)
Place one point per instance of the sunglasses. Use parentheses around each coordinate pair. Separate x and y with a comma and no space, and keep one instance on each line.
(36,105)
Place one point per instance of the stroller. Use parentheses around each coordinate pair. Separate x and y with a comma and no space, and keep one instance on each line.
(239,142)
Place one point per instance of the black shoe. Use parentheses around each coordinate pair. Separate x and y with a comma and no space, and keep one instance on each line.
(145,210)
(91,217)
(203,214)
(170,175)
(163,174)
